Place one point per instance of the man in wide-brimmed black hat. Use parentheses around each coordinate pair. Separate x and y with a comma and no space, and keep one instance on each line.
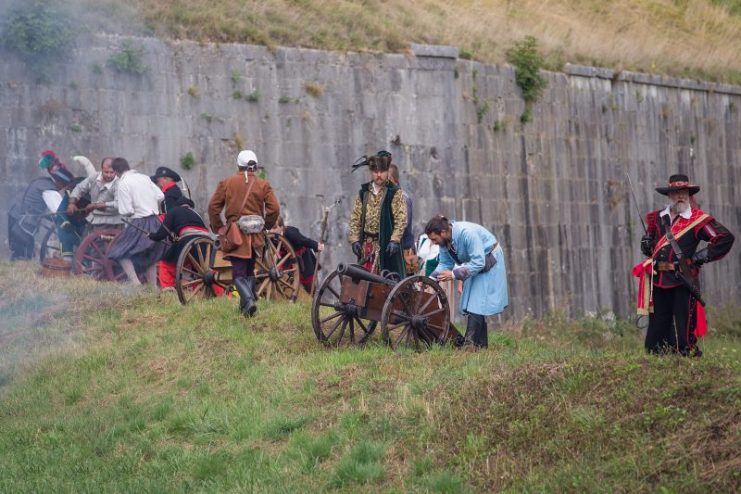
(166,179)
(676,318)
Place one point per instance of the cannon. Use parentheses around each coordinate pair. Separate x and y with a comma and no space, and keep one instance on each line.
(413,312)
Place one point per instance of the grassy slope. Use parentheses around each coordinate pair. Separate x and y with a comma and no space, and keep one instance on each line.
(143,395)
(691,38)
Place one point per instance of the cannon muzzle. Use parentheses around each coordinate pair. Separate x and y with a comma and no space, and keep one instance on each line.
(357,273)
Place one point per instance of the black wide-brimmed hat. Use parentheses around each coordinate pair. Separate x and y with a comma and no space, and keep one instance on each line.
(678,182)
(163,171)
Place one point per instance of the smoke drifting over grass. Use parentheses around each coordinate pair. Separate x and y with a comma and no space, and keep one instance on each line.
(42,316)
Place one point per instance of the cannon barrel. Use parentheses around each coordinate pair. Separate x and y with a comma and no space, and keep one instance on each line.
(357,273)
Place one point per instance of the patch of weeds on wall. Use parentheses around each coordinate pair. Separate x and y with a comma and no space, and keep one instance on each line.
(237,94)
(465,54)
(194,92)
(129,59)
(284,100)
(235,77)
(207,117)
(528,63)
(96,68)
(314,89)
(253,97)
(188,161)
(75,128)
(40,34)
(482,105)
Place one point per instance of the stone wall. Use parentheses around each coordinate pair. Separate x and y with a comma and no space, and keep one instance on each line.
(553,190)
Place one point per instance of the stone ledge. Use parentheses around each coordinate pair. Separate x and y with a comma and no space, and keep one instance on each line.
(651,79)
(434,51)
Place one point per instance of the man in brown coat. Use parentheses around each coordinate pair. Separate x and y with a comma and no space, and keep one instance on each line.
(260,201)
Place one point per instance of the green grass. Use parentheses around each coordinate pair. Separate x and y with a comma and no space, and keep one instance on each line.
(128,391)
(688,38)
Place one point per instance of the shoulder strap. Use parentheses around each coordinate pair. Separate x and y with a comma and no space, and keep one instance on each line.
(244,199)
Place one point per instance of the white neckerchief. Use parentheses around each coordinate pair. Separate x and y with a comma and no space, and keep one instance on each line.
(686,215)
(375,189)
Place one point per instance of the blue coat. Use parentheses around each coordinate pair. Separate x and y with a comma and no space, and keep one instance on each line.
(483,293)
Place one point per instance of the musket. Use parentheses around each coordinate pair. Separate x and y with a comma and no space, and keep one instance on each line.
(323,240)
(684,273)
(635,201)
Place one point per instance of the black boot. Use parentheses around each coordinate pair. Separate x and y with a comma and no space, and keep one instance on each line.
(476,331)
(245,288)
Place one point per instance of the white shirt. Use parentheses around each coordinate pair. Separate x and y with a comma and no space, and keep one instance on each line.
(137,196)
(52,199)
(667,212)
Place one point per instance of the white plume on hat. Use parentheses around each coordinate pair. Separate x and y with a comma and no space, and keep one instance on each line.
(245,157)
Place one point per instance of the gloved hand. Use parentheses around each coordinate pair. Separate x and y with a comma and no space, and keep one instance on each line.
(393,248)
(647,245)
(700,257)
(357,249)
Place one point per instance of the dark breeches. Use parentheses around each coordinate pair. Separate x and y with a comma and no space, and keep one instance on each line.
(242,268)
(671,326)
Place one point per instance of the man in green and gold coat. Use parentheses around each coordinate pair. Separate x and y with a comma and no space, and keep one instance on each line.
(378,219)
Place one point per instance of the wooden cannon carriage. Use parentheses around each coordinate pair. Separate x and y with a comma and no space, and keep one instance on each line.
(413,312)
(202,271)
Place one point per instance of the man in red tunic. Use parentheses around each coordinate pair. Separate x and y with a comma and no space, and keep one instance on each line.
(676,319)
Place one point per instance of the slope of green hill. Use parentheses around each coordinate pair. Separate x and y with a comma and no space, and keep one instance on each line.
(689,38)
(104,388)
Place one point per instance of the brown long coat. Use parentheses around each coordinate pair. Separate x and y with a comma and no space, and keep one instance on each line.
(229,195)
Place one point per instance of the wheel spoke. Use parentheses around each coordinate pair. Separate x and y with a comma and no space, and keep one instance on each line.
(329,318)
(195,292)
(334,292)
(362,326)
(342,332)
(334,328)
(426,304)
(404,333)
(434,312)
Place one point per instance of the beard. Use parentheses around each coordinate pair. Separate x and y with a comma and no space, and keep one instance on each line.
(680,207)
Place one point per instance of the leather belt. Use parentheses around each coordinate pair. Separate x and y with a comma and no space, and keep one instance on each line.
(664,266)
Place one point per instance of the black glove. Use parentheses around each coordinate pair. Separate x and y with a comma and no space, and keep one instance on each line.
(647,245)
(701,257)
(357,249)
(393,248)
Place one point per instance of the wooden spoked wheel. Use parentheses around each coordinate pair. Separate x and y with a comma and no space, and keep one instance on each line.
(416,314)
(277,270)
(195,276)
(92,259)
(336,323)
(50,245)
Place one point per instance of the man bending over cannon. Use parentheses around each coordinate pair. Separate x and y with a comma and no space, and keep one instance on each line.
(480,266)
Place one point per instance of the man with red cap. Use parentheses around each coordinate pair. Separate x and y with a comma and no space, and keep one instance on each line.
(676,318)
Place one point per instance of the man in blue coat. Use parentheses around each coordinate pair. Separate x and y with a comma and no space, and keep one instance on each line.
(469,252)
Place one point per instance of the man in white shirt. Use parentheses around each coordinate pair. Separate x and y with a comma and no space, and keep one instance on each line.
(138,203)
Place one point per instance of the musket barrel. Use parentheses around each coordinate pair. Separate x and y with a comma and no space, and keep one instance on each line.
(357,273)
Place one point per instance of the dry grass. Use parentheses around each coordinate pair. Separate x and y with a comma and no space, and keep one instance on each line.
(691,38)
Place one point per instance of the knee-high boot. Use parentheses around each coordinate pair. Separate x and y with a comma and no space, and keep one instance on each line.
(246,290)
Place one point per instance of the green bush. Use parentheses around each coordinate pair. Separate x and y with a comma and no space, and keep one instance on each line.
(528,62)
(130,59)
(188,161)
(40,33)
